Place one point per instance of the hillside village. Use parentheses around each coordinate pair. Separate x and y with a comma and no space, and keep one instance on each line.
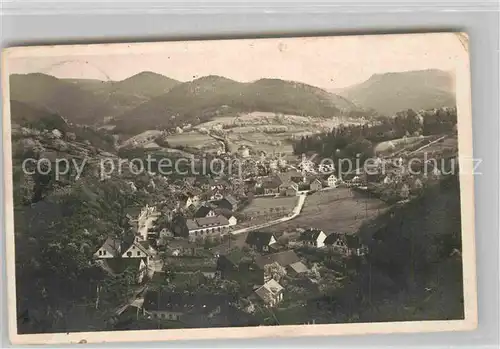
(286,241)
(208,236)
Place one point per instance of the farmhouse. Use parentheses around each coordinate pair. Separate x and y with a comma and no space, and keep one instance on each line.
(346,244)
(271,293)
(261,241)
(203,227)
(313,237)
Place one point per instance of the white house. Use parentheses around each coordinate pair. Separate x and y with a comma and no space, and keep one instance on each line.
(136,250)
(232,221)
(128,248)
(207,226)
(313,237)
(332,181)
(271,293)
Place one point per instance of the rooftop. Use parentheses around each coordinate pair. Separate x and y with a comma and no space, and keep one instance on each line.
(284,259)
(259,238)
(310,235)
(206,222)
(269,289)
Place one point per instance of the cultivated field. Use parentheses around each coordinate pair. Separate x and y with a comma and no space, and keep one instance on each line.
(190,139)
(447,144)
(397,144)
(266,205)
(337,210)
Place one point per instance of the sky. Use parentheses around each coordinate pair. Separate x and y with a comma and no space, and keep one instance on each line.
(326,62)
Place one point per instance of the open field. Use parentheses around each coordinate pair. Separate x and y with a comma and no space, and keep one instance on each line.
(447,144)
(398,144)
(265,205)
(190,139)
(338,210)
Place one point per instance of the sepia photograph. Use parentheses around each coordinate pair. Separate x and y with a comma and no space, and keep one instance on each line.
(239,188)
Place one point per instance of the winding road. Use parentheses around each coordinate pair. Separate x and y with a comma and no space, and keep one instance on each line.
(296,211)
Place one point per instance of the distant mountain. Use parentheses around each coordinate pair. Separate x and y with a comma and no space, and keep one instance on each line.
(149,100)
(144,85)
(128,93)
(87,101)
(59,97)
(201,99)
(392,92)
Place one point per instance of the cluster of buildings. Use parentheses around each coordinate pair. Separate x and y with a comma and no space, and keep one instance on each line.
(262,262)
(291,183)
(192,218)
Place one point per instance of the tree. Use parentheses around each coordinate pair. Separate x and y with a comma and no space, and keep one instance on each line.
(274,271)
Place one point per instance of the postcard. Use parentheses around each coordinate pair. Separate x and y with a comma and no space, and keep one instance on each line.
(239,188)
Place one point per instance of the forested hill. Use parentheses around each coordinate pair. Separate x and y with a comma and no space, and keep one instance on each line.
(414,269)
(150,101)
(60,222)
(210,96)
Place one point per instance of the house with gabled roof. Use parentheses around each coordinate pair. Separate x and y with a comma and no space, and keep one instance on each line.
(111,248)
(284,259)
(332,181)
(296,268)
(271,186)
(271,293)
(187,199)
(346,244)
(313,237)
(228,202)
(204,211)
(315,184)
(261,241)
(117,255)
(137,249)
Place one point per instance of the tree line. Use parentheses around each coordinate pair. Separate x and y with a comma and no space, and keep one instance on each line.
(349,141)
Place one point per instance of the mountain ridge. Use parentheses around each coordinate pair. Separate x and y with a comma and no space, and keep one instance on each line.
(206,97)
(391,92)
